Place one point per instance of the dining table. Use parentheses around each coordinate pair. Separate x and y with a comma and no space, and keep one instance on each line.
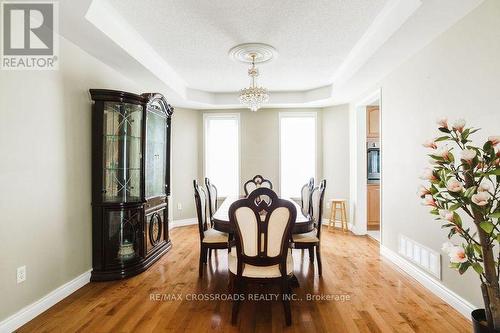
(220,218)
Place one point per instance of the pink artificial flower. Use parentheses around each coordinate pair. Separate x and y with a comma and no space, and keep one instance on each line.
(459,125)
(446,215)
(483,187)
(454,185)
(443,152)
(442,122)
(428,174)
(495,140)
(429,201)
(430,144)
(423,191)
(481,198)
(457,255)
(468,154)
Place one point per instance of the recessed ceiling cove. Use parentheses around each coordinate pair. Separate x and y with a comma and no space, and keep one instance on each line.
(330,51)
(193,36)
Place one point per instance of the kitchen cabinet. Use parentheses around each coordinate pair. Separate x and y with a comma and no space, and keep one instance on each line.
(372,122)
(373,200)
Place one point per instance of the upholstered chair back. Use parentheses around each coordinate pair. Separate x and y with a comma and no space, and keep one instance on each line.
(305,195)
(255,183)
(317,196)
(212,197)
(262,229)
(200,199)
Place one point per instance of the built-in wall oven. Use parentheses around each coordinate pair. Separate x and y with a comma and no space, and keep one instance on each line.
(373,159)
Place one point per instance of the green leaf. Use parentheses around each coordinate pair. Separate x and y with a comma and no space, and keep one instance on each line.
(487,145)
(486,226)
(444,130)
(434,211)
(463,267)
(442,138)
(465,134)
(495,215)
(451,158)
(454,265)
(478,249)
(433,190)
(452,232)
(437,158)
(469,192)
(454,207)
(478,268)
(495,172)
(457,219)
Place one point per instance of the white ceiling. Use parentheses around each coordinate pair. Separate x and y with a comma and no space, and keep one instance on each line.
(313,38)
(330,51)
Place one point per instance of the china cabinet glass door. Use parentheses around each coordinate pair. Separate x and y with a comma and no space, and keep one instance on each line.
(122,152)
(156,137)
(124,235)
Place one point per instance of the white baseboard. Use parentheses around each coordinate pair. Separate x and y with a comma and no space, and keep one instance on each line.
(184,222)
(436,287)
(29,312)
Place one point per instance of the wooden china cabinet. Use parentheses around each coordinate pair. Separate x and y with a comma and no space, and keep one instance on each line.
(130,182)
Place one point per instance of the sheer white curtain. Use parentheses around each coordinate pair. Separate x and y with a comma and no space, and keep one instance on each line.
(297,151)
(222,152)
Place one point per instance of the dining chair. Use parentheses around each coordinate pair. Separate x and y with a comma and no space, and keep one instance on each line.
(312,239)
(212,197)
(262,234)
(305,196)
(255,183)
(209,237)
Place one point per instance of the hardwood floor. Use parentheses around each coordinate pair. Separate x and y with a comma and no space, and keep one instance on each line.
(382,298)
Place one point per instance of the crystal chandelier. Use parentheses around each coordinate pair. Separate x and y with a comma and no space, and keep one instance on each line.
(253,97)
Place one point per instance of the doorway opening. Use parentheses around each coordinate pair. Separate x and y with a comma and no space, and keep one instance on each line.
(373,169)
(366,158)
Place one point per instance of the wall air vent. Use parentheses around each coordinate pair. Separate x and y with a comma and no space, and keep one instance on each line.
(425,258)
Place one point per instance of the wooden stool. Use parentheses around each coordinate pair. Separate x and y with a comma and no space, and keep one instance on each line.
(338,205)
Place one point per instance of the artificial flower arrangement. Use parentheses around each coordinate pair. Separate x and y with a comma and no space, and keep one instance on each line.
(464,180)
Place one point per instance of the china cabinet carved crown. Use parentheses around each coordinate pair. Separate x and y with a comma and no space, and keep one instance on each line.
(130,182)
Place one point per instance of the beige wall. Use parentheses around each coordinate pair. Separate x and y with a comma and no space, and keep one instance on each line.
(186,143)
(45,130)
(45,172)
(457,75)
(335,153)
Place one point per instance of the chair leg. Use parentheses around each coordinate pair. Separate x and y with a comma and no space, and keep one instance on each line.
(236,301)
(294,282)
(285,295)
(200,268)
(318,259)
(311,254)
(205,254)
(210,253)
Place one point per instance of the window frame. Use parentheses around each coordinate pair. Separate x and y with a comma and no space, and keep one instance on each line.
(308,114)
(222,115)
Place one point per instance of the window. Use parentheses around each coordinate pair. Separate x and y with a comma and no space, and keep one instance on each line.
(297,151)
(222,162)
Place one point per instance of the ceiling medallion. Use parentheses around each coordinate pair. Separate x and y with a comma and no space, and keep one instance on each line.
(253,96)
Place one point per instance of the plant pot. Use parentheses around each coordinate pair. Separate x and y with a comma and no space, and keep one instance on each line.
(479,322)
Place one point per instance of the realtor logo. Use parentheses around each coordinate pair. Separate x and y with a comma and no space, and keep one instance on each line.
(29,36)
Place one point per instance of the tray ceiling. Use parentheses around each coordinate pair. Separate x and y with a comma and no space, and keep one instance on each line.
(313,38)
(330,51)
